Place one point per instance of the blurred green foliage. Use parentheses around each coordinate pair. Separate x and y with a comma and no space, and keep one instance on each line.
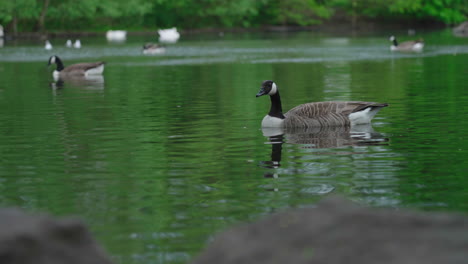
(72,15)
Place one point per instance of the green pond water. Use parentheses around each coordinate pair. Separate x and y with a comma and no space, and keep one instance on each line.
(164,151)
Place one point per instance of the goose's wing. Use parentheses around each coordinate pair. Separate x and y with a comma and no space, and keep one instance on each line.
(326,113)
(81,68)
(318,109)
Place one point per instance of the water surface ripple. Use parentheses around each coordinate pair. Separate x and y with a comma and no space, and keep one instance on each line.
(162,152)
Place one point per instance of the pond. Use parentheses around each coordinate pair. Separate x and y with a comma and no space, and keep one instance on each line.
(164,151)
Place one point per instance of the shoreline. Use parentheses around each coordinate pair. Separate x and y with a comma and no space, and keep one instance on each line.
(336,27)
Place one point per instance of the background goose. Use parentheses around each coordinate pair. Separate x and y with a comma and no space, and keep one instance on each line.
(151,48)
(80,69)
(414,45)
(48,46)
(319,114)
(69,44)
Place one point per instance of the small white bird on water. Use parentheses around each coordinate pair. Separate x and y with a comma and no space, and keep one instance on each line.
(169,35)
(69,44)
(48,46)
(77,44)
(116,35)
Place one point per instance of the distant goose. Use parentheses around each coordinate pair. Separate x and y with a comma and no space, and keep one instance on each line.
(69,44)
(169,35)
(116,35)
(151,48)
(319,114)
(48,46)
(77,44)
(79,69)
(414,45)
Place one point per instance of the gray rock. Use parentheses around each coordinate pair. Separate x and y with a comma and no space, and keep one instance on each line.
(461,30)
(338,231)
(39,239)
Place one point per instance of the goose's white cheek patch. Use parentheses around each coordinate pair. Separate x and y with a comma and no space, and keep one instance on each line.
(273,89)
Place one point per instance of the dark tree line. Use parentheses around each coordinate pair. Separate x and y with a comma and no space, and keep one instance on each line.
(96,15)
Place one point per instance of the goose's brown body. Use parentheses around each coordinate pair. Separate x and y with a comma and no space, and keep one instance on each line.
(326,114)
(81,68)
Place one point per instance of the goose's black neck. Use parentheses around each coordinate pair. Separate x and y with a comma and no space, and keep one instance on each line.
(59,64)
(276,110)
(395,43)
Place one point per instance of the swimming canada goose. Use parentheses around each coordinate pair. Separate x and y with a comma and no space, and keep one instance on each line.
(151,48)
(48,46)
(319,114)
(414,45)
(116,35)
(169,35)
(69,44)
(77,44)
(83,69)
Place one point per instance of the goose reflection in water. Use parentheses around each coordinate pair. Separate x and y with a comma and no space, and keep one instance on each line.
(318,138)
(92,82)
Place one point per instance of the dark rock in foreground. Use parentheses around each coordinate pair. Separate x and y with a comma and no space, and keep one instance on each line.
(39,239)
(338,231)
(461,30)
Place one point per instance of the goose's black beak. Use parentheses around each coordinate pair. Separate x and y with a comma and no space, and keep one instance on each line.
(261,92)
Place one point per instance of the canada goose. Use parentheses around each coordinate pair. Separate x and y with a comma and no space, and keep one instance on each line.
(151,48)
(77,44)
(69,44)
(116,35)
(1,31)
(169,35)
(414,45)
(319,114)
(83,69)
(48,46)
